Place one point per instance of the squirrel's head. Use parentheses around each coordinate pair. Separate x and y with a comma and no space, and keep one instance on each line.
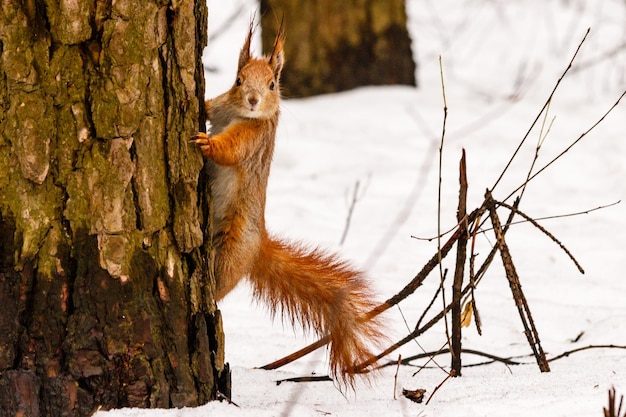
(258,79)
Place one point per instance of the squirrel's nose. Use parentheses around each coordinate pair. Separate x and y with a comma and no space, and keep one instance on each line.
(253,100)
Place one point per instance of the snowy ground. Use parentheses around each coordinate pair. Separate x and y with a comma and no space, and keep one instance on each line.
(500,60)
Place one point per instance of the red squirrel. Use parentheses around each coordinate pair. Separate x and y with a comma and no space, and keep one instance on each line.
(317,289)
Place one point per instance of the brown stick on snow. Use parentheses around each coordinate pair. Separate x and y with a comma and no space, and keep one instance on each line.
(516,288)
(461,255)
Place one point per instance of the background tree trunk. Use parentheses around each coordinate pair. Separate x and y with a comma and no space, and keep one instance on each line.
(338,45)
(106,286)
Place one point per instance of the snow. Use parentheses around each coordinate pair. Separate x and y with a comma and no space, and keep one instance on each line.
(500,62)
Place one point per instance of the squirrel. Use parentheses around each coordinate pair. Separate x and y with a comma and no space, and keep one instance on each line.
(319,290)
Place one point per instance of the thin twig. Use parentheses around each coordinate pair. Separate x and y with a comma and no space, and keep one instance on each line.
(443,135)
(297,355)
(472,279)
(532,125)
(432,359)
(551,217)
(546,232)
(423,314)
(487,262)
(432,301)
(495,358)
(395,377)
(580,349)
(450,375)
(585,133)
(560,216)
(540,141)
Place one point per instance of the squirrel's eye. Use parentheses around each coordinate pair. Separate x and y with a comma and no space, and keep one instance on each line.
(238,82)
(272,86)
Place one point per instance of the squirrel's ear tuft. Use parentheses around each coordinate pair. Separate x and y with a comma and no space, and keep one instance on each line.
(244,55)
(277,59)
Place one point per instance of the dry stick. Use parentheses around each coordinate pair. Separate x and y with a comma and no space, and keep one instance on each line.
(546,105)
(450,375)
(560,216)
(614,409)
(297,355)
(475,278)
(432,302)
(540,141)
(457,283)
(472,279)
(432,359)
(585,133)
(547,233)
(519,146)
(487,262)
(443,135)
(494,358)
(575,142)
(395,378)
(520,300)
(580,349)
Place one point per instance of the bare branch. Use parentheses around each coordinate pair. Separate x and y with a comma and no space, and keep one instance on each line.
(546,104)
(443,135)
(516,289)
(585,133)
(546,232)
(457,284)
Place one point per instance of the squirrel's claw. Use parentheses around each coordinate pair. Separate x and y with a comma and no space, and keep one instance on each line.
(200,138)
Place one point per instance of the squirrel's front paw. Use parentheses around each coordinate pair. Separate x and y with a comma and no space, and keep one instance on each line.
(202,140)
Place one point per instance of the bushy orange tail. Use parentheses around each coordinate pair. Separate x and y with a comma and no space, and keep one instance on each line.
(324,293)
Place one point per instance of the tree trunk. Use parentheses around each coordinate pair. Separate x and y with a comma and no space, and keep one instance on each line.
(338,45)
(106,285)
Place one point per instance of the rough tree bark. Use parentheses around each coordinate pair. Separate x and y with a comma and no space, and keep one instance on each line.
(338,45)
(106,290)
